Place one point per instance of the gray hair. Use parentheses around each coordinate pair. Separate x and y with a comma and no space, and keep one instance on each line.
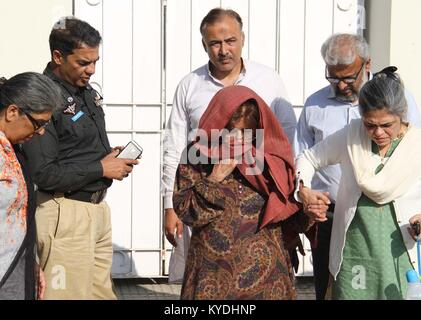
(343,49)
(384,91)
(31,92)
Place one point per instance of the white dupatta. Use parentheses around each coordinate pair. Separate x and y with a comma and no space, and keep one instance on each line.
(400,172)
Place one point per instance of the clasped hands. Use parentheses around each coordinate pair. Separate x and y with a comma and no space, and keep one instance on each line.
(315,203)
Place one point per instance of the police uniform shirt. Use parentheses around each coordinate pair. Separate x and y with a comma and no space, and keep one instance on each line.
(67,157)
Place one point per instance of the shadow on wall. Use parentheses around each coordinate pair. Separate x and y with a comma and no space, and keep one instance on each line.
(123,266)
(128,287)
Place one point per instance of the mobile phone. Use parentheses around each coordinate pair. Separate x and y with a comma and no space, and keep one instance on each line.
(131,151)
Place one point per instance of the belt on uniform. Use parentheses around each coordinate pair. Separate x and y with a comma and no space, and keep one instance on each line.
(85,196)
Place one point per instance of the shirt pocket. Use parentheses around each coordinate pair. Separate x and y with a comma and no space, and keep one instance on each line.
(78,131)
(317,123)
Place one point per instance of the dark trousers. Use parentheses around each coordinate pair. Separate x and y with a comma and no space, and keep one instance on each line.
(321,259)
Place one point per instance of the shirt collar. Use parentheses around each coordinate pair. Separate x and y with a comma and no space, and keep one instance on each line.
(70,88)
(242,74)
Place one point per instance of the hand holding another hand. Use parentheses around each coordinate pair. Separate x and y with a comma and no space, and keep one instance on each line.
(315,203)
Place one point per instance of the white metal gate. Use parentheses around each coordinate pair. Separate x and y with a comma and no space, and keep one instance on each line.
(148,46)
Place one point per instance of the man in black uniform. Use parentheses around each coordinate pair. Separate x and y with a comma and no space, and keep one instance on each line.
(73,165)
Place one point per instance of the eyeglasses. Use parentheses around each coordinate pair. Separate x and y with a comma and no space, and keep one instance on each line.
(347,80)
(37,123)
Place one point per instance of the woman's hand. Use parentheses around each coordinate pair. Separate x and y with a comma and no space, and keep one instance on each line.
(221,170)
(413,221)
(41,284)
(315,203)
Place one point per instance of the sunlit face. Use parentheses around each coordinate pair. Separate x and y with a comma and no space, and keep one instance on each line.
(345,90)
(78,67)
(223,41)
(382,126)
(19,127)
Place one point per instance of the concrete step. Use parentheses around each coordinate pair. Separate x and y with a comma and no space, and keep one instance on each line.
(160,289)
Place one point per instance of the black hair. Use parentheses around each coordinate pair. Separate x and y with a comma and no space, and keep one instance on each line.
(249,112)
(70,33)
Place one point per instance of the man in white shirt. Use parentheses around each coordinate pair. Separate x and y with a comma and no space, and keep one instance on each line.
(223,40)
(348,65)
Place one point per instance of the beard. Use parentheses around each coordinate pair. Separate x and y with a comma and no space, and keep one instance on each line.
(353,98)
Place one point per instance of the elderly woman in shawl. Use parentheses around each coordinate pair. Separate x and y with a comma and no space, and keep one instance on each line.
(27,101)
(379,192)
(235,186)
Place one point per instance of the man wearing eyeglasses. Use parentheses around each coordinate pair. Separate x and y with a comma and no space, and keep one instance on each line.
(73,165)
(348,66)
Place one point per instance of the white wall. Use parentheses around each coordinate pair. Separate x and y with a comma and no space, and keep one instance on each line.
(25,27)
(406,43)
(378,31)
(393,34)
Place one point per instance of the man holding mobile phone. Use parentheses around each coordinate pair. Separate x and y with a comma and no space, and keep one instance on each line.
(131,151)
(73,165)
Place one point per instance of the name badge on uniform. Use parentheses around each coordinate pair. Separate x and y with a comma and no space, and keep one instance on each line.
(77,116)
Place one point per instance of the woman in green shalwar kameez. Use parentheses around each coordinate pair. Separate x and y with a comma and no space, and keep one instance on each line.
(373,240)
(380,190)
